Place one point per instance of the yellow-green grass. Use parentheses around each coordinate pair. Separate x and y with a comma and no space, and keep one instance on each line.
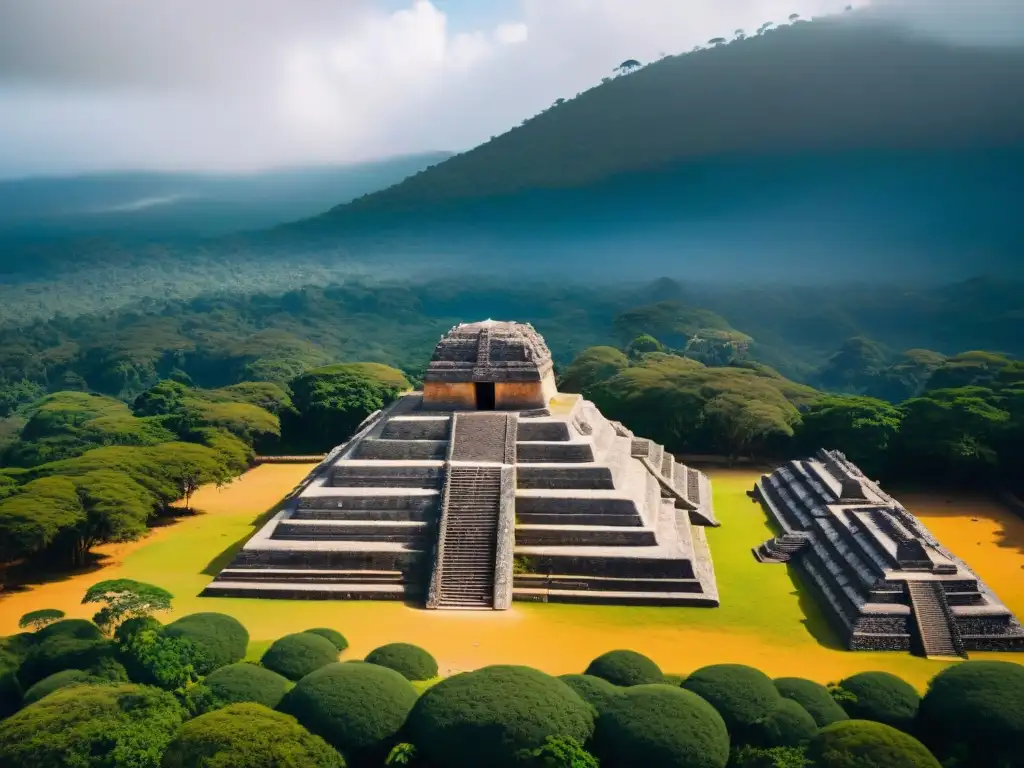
(765,619)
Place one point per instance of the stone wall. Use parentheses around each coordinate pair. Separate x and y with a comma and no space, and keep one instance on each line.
(506,540)
(517,395)
(442,395)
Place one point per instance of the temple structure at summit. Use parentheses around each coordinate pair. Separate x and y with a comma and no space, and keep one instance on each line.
(881,577)
(486,487)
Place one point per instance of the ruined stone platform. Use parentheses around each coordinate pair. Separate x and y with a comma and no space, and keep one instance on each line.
(882,578)
(488,486)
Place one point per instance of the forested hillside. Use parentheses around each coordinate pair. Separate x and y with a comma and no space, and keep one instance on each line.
(827,86)
(819,151)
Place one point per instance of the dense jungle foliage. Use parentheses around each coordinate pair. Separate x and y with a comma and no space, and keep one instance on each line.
(180,696)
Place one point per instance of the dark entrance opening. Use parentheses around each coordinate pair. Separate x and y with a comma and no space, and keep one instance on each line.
(485,399)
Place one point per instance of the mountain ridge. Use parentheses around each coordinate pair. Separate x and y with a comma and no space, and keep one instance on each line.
(825,86)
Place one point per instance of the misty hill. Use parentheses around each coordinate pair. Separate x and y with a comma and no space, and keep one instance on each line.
(154,205)
(836,137)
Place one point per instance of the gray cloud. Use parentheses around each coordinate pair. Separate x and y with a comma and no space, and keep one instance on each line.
(237,84)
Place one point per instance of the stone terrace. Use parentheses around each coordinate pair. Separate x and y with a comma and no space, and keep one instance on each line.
(880,575)
(461,509)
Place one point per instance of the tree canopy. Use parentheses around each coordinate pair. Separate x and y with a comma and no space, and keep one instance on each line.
(92,727)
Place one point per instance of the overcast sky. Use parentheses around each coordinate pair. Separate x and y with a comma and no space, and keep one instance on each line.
(244,84)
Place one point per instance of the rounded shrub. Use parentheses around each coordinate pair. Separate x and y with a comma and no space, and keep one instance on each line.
(55,682)
(59,652)
(741,694)
(109,670)
(625,668)
(488,716)
(883,698)
(596,691)
(91,726)
(358,708)
(975,708)
(814,697)
(221,639)
(661,725)
(243,682)
(295,656)
(410,661)
(80,629)
(787,725)
(248,736)
(856,743)
(337,639)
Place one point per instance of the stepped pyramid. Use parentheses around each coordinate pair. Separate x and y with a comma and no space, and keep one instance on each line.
(485,487)
(881,577)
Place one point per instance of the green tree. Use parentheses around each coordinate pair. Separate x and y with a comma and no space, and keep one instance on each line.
(92,727)
(881,697)
(742,695)
(295,656)
(358,708)
(36,620)
(863,428)
(331,402)
(487,716)
(643,344)
(952,433)
(221,639)
(973,714)
(591,367)
(248,736)
(855,367)
(625,668)
(155,658)
(32,519)
(410,661)
(661,725)
(125,599)
(862,743)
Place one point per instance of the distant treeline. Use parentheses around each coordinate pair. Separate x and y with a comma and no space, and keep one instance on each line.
(218,341)
(965,426)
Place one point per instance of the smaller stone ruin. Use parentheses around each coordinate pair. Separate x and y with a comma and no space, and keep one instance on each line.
(880,575)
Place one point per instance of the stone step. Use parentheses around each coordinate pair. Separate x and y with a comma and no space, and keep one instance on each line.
(328,498)
(545,431)
(352,530)
(580,477)
(311,575)
(386,475)
(613,597)
(300,591)
(417,428)
(555,452)
(401,450)
(422,515)
(937,637)
(604,583)
(578,535)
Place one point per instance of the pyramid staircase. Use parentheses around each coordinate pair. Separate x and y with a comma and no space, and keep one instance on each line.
(482,445)
(466,578)
(782,548)
(936,627)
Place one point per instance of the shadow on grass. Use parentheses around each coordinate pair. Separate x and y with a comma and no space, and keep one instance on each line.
(815,621)
(222,560)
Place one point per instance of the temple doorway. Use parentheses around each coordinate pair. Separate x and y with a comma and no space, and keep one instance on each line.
(485,399)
